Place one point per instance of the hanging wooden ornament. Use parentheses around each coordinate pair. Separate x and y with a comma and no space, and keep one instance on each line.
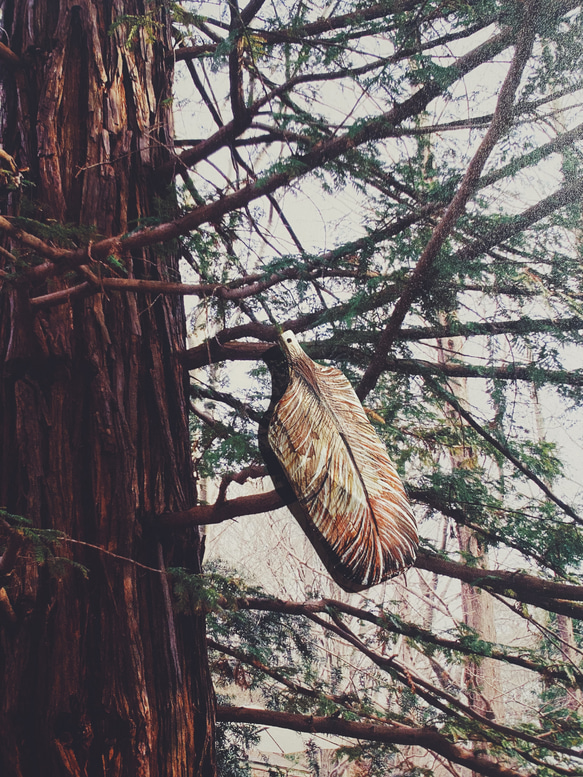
(350,501)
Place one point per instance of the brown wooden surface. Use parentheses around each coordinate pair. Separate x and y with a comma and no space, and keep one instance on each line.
(98,676)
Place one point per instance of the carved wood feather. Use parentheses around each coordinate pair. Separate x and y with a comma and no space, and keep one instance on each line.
(350,500)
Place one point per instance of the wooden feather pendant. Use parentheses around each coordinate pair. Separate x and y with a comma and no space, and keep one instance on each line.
(350,501)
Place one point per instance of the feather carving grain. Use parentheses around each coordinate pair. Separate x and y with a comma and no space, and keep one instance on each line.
(354,504)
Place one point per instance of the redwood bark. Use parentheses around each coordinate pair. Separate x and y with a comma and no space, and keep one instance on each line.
(98,676)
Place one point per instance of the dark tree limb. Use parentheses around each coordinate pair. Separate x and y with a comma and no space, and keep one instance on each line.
(202,515)
(250,11)
(520,326)
(562,598)
(553,596)
(236,68)
(387,622)
(428,738)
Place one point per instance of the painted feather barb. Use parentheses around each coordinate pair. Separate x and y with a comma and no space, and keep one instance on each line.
(351,501)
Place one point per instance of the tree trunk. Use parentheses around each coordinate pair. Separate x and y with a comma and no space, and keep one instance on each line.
(98,676)
(481,679)
(483,683)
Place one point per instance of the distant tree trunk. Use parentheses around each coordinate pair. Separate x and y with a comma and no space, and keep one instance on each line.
(483,684)
(97,676)
(573,697)
(482,680)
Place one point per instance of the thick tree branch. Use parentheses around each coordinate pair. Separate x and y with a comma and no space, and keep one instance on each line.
(201,515)
(250,11)
(222,347)
(519,326)
(238,108)
(39,247)
(214,211)
(188,53)
(428,738)
(214,351)
(528,373)
(129,285)
(550,595)
(367,14)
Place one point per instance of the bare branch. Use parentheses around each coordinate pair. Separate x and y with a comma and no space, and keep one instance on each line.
(129,285)
(428,738)
(245,658)
(529,373)
(395,625)
(559,143)
(252,472)
(188,53)
(202,515)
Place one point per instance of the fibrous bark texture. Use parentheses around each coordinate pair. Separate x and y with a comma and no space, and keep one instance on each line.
(98,676)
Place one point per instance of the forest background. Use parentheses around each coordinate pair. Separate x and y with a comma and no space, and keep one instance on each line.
(399,184)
